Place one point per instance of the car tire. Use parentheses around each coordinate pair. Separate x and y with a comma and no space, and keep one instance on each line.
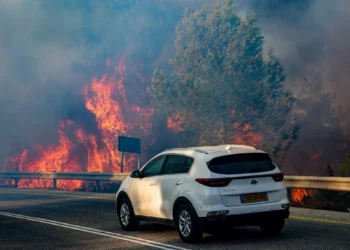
(187,224)
(272,228)
(127,218)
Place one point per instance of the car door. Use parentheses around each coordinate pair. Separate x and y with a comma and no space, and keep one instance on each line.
(175,171)
(145,189)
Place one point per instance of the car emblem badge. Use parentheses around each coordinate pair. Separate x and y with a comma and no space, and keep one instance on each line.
(254,182)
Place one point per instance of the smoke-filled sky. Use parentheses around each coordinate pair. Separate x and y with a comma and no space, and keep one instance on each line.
(50,49)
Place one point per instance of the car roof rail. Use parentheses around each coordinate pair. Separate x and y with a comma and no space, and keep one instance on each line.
(201,151)
(170,149)
(195,150)
(232,146)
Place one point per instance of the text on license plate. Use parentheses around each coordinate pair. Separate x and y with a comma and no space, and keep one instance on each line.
(254,197)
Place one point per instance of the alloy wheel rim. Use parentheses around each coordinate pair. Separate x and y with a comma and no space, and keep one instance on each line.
(125,214)
(185,223)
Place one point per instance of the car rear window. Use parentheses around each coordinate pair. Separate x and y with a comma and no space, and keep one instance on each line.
(241,164)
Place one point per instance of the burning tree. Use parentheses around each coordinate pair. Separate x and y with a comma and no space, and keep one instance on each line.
(323,137)
(222,89)
(117,111)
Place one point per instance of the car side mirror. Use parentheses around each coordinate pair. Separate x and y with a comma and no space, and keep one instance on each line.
(135,174)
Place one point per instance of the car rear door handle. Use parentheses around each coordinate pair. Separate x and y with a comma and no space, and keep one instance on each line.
(152,184)
(178,183)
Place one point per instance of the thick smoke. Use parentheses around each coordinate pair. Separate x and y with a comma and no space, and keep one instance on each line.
(311,39)
(50,49)
(36,58)
(310,35)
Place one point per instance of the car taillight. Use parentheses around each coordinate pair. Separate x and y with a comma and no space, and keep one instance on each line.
(278,177)
(214,182)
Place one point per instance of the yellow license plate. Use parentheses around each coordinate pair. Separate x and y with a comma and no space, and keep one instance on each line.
(247,198)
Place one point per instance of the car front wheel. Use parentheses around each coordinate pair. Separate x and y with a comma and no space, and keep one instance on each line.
(273,228)
(187,224)
(127,218)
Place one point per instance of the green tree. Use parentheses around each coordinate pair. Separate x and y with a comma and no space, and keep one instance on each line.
(222,89)
(345,167)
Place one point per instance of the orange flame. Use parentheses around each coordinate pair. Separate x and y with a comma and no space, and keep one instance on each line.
(109,104)
(106,98)
(97,160)
(317,155)
(244,135)
(298,195)
(175,123)
(51,158)
(15,162)
(238,134)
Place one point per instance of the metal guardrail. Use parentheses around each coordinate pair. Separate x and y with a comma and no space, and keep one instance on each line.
(313,182)
(86,176)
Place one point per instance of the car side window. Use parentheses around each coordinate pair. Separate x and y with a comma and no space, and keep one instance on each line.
(188,164)
(177,164)
(154,167)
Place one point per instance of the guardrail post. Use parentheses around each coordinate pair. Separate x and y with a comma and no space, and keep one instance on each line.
(98,187)
(54,182)
(16,182)
(289,193)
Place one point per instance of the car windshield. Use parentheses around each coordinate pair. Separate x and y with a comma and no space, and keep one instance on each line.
(241,164)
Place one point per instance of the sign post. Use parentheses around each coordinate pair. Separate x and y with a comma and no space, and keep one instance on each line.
(129,145)
(138,161)
(121,162)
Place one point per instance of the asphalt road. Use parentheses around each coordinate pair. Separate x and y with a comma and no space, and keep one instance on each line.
(42,219)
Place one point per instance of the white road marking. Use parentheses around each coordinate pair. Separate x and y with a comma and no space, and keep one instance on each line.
(96,231)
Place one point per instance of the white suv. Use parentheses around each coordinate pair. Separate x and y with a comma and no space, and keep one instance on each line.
(204,189)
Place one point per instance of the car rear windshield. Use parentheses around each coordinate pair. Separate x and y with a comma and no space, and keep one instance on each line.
(241,164)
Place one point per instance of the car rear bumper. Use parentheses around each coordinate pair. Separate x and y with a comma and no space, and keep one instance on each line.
(251,219)
(202,211)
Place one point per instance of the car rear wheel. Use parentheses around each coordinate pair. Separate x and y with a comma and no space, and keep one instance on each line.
(272,228)
(187,224)
(127,218)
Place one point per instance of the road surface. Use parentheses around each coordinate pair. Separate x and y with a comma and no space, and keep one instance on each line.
(44,219)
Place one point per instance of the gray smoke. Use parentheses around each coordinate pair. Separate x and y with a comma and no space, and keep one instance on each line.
(50,49)
(311,39)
